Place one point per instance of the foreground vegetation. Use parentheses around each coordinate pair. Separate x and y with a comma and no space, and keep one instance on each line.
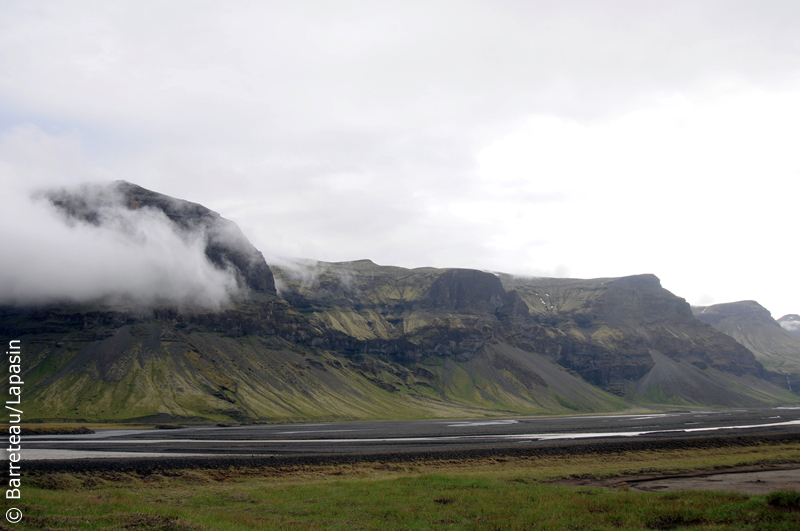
(492,493)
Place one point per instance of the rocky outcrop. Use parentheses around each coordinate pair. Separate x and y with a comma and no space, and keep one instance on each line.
(475,292)
(465,290)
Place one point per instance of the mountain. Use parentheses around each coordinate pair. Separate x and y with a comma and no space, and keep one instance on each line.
(631,335)
(752,325)
(627,336)
(258,358)
(790,323)
(310,340)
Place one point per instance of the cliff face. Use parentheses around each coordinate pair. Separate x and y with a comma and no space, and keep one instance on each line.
(620,334)
(642,309)
(467,291)
(617,334)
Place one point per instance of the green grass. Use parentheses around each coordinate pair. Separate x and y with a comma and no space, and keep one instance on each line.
(409,502)
(489,493)
(655,395)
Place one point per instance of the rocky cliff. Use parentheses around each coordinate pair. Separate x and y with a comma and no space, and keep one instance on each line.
(618,333)
(628,336)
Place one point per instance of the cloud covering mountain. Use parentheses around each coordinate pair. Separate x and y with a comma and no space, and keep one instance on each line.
(93,244)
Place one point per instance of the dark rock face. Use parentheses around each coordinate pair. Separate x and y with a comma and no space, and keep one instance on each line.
(225,245)
(466,289)
(471,291)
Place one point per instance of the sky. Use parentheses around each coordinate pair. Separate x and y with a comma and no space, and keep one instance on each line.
(559,138)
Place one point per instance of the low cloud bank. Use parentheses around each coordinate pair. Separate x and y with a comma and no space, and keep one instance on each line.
(116,255)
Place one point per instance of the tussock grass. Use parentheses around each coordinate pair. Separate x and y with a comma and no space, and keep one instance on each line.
(489,493)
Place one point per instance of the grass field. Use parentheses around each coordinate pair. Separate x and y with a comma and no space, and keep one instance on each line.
(490,493)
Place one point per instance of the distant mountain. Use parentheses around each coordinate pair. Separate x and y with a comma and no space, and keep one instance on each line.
(790,323)
(355,340)
(752,325)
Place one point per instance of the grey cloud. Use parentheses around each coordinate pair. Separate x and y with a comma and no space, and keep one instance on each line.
(791,326)
(403,90)
(305,272)
(360,66)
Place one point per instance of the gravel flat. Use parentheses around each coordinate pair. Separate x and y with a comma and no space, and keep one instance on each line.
(350,438)
(146,451)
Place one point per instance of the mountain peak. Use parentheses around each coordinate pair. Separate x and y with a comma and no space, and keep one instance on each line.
(750,310)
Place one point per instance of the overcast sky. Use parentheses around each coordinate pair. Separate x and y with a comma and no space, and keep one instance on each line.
(549,138)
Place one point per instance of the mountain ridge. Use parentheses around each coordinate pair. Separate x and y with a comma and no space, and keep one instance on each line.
(353,340)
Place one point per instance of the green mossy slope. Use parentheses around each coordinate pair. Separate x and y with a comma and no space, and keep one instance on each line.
(150,370)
